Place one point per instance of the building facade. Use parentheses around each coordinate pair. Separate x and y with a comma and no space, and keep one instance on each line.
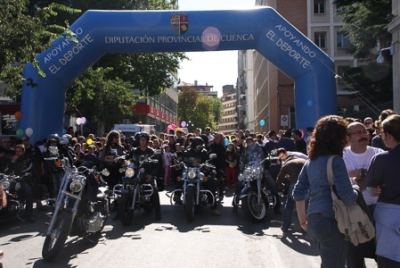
(272,96)
(229,120)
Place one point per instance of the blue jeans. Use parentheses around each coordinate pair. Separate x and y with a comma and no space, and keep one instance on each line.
(56,178)
(289,206)
(330,242)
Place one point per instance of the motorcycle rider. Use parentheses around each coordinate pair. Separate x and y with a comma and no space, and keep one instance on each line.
(56,172)
(143,151)
(111,155)
(218,147)
(254,152)
(193,157)
(20,165)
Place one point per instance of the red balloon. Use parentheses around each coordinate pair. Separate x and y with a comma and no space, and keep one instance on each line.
(18,115)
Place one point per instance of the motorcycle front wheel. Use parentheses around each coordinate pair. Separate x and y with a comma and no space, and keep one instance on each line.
(189,204)
(124,210)
(54,241)
(253,210)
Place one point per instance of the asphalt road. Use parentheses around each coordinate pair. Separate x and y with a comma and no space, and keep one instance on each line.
(228,240)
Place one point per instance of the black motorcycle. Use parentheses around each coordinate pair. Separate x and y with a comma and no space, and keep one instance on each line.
(12,205)
(81,208)
(255,196)
(194,195)
(133,193)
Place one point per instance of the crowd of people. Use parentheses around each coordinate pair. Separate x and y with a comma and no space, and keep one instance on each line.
(368,150)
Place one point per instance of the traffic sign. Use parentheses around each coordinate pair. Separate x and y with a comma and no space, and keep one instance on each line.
(284,120)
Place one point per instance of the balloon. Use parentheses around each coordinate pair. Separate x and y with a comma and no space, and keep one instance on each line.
(78,121)
(18,116)
(83,120)
(19,133)
(226,142)
(28,132)
(89,141)
(183,124)
(262,122)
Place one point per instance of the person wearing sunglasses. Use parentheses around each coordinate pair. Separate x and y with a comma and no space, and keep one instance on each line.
(357,158)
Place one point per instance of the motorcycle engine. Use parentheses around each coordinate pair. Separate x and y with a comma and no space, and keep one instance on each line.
(94,222)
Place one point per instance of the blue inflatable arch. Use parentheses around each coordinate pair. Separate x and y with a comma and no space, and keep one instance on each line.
(99,32)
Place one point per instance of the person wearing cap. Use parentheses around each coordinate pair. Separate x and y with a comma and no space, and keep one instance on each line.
(369,123)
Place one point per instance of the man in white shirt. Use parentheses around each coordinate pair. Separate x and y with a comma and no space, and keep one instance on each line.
(357,157)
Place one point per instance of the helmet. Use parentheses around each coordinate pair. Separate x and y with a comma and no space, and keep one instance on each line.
(69,137)
(65,139)
(144,134)
(53,137)
(136,136)
(197,143)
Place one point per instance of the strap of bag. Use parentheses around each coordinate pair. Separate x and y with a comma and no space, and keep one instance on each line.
(330,176)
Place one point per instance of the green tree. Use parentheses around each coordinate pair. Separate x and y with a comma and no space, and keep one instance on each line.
(216,111)
(150,73)
(24,33)
(103,100)
(186,103)
(365,24)
(203,111)
(372,82)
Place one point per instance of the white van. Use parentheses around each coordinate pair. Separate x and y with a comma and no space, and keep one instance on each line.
(130,129)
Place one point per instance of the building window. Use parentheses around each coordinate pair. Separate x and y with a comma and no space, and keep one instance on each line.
(320,39)
(319,6)
(342,40)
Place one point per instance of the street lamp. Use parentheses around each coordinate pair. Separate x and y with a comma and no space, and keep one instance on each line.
(380,59)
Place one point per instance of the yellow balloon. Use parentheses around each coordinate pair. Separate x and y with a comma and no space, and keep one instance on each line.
(89,141)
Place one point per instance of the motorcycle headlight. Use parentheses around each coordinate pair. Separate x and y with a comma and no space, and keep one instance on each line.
(129,172)
(76,186)
(5,184)
(17,186)
(247,172)
(240,177)
(191,174)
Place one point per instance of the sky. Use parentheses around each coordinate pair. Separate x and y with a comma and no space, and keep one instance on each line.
(216,68)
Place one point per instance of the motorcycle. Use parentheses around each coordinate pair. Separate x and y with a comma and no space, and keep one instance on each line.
(255,196)
(12,206)
(81,208)
(133,193)
(193,193)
